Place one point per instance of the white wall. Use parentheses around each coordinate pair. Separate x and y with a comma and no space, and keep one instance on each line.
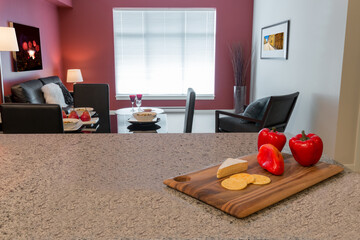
(314,65)
(347,149)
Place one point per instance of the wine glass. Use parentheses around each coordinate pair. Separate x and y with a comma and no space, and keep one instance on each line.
(138,101)
(132,99)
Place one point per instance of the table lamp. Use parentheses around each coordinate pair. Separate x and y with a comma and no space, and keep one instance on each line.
(8,42)
(74,76)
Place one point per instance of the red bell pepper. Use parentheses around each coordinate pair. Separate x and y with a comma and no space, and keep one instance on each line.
(270,158)
(273,137)
(306,149)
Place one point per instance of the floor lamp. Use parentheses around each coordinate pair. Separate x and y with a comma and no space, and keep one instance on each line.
(8,43)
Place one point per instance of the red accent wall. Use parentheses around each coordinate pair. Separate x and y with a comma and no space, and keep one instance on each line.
(87,43)
(40,14)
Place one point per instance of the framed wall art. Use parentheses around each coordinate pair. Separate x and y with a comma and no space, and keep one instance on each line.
(275,41)
(28,57)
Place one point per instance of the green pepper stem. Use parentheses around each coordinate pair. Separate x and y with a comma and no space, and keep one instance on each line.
(273,129)
(304,137)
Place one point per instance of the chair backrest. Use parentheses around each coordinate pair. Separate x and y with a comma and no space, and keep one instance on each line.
(97,97)
(279,110)
(189,110)
(31,118)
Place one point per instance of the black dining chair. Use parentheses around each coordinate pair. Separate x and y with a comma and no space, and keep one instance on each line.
(95,95)
(269,112)
(31,118)
(189,110)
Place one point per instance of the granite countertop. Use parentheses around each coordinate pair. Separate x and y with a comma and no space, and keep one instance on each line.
(110,186)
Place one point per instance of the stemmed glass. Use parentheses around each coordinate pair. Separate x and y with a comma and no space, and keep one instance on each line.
(138,101)
(132,99)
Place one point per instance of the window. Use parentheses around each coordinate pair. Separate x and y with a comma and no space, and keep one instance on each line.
(162,52)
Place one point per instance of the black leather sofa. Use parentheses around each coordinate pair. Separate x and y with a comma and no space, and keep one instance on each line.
(30,91)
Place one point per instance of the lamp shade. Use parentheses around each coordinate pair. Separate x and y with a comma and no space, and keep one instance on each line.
(74,76)
(8,40)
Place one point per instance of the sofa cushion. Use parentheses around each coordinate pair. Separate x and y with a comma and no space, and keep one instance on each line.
(55,79)
(53,94)
(28,92)
(255,110)
(17,94)
(69,100)
(52,79)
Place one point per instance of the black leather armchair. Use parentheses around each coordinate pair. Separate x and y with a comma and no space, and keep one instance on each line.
(31,118)
(274,111)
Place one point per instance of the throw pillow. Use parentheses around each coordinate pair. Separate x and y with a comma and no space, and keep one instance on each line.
(255,109)
(53,94)
(69,100)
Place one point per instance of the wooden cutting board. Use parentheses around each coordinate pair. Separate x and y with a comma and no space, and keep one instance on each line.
(204,186)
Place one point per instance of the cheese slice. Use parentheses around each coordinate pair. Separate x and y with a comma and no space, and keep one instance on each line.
(231,166)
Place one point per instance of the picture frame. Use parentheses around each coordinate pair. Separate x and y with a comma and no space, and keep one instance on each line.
(28,57)
(275,41)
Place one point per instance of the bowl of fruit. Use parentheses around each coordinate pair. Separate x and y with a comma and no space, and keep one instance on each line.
(144,116)
(81,110)
(84,116)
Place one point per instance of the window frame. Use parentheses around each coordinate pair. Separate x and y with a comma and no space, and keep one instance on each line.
(168,96)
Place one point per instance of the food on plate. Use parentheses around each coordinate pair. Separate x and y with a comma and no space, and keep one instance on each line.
(246,176)
(231,166)
(70,120)
(270,159)
(85,116)
(306,148)
(73,114)
(234,183)
(144,116)
(81,109)
(261,179)
(273,137)
(147,110)
(64,114)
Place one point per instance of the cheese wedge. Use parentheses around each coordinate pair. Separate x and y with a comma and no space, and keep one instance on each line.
(231,166)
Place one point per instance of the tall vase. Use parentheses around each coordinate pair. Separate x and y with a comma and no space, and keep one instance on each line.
(239,98)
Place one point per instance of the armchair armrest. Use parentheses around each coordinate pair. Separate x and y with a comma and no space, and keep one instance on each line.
(217,116)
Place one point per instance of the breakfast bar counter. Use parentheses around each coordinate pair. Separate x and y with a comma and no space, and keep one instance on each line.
(110,186)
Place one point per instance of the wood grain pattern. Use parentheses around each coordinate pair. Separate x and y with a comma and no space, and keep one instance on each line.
(204,186)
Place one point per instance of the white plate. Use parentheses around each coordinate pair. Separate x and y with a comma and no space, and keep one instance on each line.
(92,121)
(134,121)
(70,122)
(71,127)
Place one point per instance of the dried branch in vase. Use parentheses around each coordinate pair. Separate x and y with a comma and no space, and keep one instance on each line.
(240,64)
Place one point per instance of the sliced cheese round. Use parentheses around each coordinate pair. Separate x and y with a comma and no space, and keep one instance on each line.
(234,184)
(231,166)
(261,179)
(247,177)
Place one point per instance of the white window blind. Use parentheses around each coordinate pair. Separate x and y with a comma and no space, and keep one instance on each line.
(162,52)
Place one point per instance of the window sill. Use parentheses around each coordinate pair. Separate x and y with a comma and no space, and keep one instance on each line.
(167,97)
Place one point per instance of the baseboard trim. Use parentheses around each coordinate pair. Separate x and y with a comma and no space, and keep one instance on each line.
(352,167)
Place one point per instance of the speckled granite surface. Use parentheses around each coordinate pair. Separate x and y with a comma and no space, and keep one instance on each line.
(98,186)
